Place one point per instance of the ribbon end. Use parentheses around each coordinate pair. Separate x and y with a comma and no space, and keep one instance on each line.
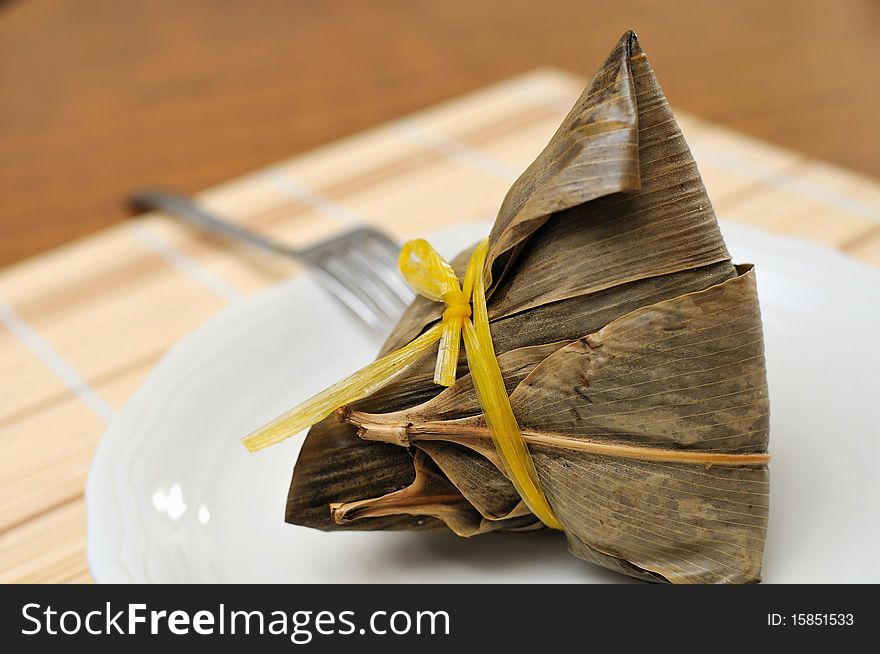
(447,353)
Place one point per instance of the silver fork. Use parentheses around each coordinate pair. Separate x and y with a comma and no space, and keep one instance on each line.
(358,267)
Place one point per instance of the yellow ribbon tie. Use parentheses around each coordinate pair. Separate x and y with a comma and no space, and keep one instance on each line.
(431,276)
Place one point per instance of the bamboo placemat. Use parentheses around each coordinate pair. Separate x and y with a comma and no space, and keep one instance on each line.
(81,326)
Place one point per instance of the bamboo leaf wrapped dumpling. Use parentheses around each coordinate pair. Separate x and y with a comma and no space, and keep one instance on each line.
(630,346)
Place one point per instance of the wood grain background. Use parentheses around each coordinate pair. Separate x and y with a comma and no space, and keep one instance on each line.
(100,97)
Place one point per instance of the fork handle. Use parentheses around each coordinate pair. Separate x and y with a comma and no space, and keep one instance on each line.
(187,210)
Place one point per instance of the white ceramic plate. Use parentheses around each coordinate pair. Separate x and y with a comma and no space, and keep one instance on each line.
(173,497)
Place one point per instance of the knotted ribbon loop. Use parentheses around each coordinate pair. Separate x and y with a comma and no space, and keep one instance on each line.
(432,277)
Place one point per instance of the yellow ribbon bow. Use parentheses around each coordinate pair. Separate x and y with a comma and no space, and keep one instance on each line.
(466,315)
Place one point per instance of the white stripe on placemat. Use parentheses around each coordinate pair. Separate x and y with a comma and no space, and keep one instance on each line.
(787,181)
(185,263)
(311,198)
(19,327)
(455,150)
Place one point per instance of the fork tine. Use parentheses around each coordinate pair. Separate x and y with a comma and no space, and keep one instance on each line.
(341,290)
(388,253)
(381,254)
(359,284)
(395,287)
(387,249)
(367,270)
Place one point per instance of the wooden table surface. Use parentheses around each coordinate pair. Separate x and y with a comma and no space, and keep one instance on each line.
(100,97)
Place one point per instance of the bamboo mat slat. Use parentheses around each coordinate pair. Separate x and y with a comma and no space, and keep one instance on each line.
(81,326)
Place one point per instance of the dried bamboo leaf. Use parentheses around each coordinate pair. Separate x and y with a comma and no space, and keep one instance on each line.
(617,318)
(334,465)
(681,375)
(430,495)
(685,373)
(331,447)
(460,400)
(620,147)
(479,480)
(595,152)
